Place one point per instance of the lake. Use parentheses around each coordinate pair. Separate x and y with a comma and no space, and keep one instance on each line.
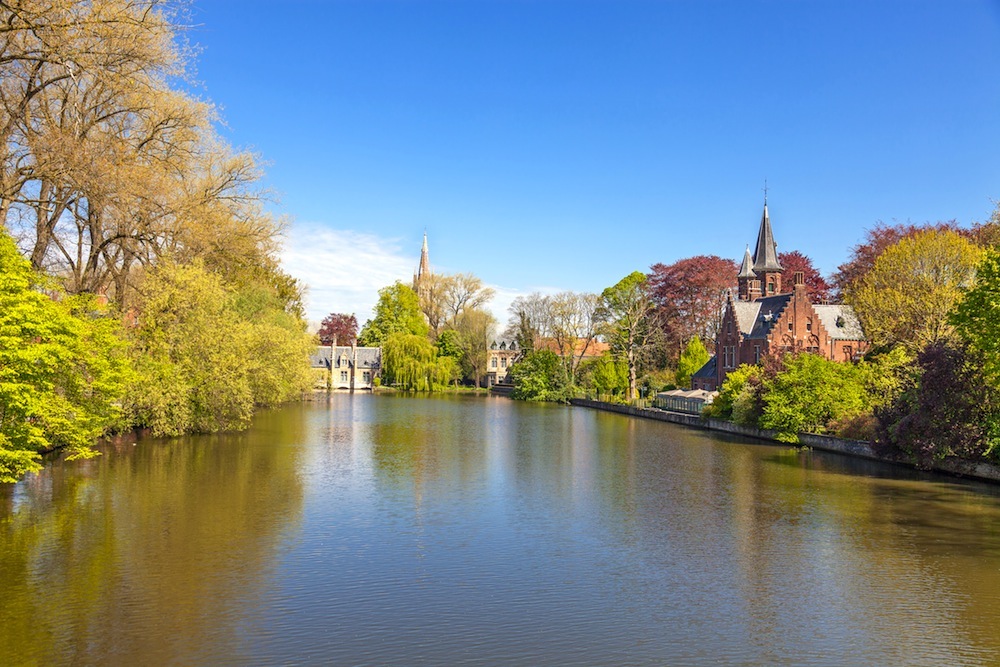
(464,530)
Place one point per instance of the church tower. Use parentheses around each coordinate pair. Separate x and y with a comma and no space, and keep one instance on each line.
(423,271)
(765,258)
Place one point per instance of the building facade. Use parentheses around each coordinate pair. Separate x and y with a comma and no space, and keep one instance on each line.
(347,368)
(763,319)
(499,358)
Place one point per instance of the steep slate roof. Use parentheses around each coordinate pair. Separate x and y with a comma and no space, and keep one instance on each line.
(849,327)
(765,258)
(767,315)
(746,315)
(320,357)
(746,269)
(706,371)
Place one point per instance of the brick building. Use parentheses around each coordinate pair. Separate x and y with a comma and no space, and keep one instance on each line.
(762,319)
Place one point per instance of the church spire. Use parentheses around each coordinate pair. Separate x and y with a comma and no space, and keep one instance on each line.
(746,269)
(766,256)
(425,261)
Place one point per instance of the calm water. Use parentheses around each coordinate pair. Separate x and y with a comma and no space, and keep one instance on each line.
(378,530)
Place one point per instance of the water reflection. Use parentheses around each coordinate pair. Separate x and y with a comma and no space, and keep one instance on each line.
(405,530)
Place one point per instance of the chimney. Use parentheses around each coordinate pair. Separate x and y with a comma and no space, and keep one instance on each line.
(799,280)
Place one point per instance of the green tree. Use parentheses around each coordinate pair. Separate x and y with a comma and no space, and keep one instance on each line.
(207,354)
(397,311)
(627,309)
(809,393)
(540,376)
(691,360)
(977,315)
(737,396)
(62,369)
(908,295)
(605,376)
(412,362)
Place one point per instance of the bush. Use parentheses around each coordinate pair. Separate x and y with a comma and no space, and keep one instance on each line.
(540,376)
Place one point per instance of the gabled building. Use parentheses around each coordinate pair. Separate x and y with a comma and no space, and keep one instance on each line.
(762,319)
(499,358)
(351,368)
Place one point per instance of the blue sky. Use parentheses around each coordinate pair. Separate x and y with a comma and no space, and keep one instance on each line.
(561,145)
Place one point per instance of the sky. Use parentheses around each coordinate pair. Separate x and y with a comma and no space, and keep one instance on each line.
(556,145)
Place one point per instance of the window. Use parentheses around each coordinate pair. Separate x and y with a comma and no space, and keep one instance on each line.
(789,325)
(756,354)
(809,325)
(503,363)
(343,376)
(493,362)
(366,376)
(770,288)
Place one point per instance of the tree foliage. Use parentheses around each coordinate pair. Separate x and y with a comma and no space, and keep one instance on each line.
(62,369)
(877,240)
(977,315)
(412,362)
(907,296)
(605,377)
(816,285)
(627,309)
(397,311)
(947,408)
(690,295)
(540,376)
(692,359)
(809,393)
(106,168)
(207,353)
(338,328)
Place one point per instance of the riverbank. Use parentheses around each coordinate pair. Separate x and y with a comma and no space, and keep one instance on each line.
(857,448)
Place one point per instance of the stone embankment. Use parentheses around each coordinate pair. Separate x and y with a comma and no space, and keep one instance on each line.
(857,448)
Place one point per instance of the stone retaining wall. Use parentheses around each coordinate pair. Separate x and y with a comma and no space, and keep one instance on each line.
(857,448)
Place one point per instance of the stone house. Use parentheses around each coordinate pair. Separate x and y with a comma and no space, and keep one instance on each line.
(347,368)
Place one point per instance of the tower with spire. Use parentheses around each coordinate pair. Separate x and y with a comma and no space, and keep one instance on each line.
(760,273)
(423,272)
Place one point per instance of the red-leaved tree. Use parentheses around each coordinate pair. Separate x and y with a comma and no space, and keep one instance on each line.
(338,327)
(816,285)
(690,295)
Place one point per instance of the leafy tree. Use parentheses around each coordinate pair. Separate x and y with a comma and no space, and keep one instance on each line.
(628,308)
(206,355)
(397,311)
(877,240)
(690,295)
(605,376)
(62,369)
(816,286)
(947,408)
(977,315)
(908,295)
(475,328)
(692,359)
(338,327)
(411,362)
(738,396)
(809,393)
(573,319)
(540,376)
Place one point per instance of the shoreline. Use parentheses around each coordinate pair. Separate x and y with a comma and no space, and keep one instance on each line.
(954,467)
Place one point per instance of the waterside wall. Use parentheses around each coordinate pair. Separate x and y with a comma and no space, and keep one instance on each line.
(857,448)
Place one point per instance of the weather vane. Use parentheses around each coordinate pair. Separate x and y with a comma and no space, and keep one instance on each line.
(765,191)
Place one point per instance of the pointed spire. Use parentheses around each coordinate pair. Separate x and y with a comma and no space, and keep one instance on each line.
(746,269)
(766,256)
(425,261)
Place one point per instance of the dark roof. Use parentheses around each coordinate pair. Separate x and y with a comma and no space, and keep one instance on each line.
(765,258)
(746,269)
(769,308)
(326,357)
(706,371)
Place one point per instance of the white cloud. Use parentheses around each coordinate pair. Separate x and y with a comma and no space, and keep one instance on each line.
(343,269)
